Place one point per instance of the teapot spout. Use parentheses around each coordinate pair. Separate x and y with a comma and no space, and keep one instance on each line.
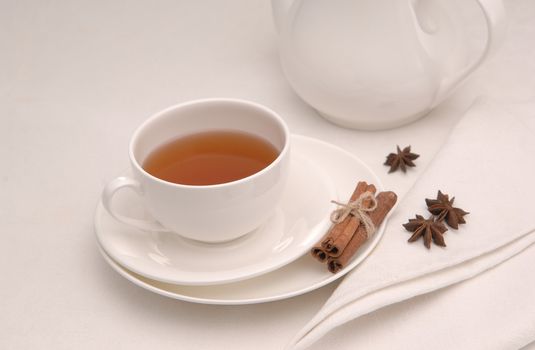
(280,8)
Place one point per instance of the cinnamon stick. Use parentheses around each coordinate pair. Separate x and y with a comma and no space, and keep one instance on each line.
(319,253)
(321,250)
(339,242)
(385,202)
(328,241)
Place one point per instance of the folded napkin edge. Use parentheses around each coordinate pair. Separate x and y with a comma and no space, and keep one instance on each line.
(480,264)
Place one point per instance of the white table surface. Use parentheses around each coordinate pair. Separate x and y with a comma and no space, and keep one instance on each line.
(77,77)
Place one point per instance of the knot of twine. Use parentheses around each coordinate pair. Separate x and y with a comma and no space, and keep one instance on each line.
(358,210)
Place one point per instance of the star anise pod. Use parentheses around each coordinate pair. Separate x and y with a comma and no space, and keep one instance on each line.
(443,208)
(429,229)
(402,159)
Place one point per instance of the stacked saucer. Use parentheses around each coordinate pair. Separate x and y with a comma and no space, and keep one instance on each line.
(270,263)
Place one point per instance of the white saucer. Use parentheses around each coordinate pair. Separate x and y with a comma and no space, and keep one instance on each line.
(300,220)
(303,275)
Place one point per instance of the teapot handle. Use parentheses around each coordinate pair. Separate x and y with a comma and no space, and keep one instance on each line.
(495,18)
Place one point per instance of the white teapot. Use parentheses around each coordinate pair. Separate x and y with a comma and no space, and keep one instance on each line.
(376,64)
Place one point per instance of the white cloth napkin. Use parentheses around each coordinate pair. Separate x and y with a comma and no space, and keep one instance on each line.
(488,164)
(492,311)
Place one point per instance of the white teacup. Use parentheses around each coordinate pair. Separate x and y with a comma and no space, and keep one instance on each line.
(211,213)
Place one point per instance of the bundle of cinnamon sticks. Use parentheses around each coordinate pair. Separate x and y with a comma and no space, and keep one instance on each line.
(345,237)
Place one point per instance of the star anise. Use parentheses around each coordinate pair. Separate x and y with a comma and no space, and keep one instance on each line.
(402,159)
(443,208)
(429,229)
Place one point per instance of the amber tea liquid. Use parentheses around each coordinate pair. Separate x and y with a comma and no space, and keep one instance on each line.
(209,158)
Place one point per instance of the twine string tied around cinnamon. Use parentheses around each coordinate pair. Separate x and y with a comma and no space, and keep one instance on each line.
(358,209)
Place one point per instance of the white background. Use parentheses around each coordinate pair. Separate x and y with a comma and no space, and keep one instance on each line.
(76,78)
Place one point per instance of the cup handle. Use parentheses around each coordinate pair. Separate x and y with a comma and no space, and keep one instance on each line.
(107,196)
